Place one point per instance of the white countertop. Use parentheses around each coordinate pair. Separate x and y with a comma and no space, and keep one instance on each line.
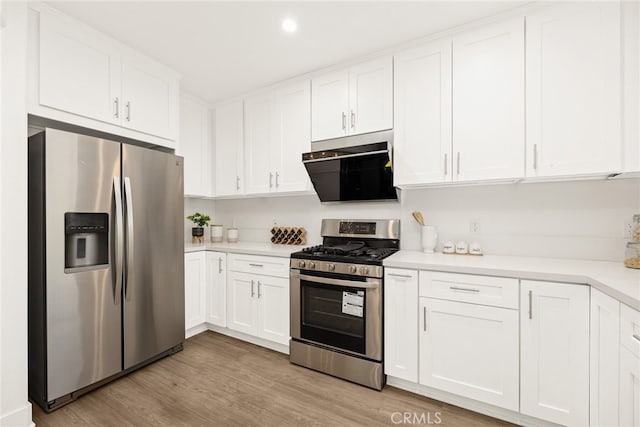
(251,248)
(611,278)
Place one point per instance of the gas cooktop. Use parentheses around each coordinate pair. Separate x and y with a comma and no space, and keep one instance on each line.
(352,252)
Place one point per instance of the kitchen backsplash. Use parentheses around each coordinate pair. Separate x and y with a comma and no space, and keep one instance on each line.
(581,219)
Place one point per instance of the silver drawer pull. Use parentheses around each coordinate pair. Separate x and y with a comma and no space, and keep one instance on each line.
(404,276)
(424,324)
(256,265)
(455,288)
(636,336)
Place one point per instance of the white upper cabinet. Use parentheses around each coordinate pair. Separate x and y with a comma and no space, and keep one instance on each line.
(293,130)
(329,105)
(574,89)
(371,96)
(353,101)
(259,139)
(277,132)
(79,71)
(228,155)
(195,146)
(422,115)
(554,352)
(488,102)
(85,75)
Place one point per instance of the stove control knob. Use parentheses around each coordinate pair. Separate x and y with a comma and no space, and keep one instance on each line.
(301,264)
(352,269)
(312,265)
(364,270)
(331,267)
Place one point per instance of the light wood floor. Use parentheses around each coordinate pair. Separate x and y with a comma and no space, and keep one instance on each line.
(221,381)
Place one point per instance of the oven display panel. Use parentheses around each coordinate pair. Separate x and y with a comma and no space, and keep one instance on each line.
(357,228)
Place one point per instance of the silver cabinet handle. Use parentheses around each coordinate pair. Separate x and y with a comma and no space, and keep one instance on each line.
(424,318)
(119,246)
(270,179)
(636,337)
(535,156)
(237,182)
(344,121)
(446,166)
(252,293)
(353,119)
(530,304)
(458,164)
(456,288)
(116,103)
(259,294)
(128,111)
(256,265)
(277,178)
(220,265)
(128,199)
(404,276)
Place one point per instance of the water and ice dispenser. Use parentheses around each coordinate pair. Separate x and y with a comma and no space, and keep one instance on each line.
(86,242)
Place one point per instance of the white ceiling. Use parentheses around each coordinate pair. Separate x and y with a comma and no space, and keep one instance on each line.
(223,49)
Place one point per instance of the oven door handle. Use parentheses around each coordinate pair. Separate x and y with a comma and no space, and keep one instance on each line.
(369,284)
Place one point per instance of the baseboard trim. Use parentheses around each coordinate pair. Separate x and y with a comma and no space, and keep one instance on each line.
(245,337)
(470,404)
(195,330)
(20,417)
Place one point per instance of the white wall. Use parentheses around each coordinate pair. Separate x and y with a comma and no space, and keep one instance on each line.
(560,219)
(15,409)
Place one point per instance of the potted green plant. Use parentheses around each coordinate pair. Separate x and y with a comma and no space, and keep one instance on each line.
(201,221)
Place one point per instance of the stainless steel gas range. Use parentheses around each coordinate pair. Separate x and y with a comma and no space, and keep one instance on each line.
(337,300)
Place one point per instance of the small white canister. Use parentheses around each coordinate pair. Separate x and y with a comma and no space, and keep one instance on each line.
(429,239)
(462,248)
(232,235)
(217,232)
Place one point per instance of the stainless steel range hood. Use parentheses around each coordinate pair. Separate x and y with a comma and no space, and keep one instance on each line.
(354,168)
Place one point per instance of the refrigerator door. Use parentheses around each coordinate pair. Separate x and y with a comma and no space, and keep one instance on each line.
(83,304)
(154,248)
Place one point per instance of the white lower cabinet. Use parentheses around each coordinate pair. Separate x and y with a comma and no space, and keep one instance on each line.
(257,304)
(401,324)
(195,285)
(554,352)
(629,367)
(470,350)
(604,360)
(216,313)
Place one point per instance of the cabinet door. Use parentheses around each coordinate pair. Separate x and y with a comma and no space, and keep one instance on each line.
(605,347)
(293,129)
(259,142)
(273,308)
(488,102)
(574,89)
(629,389)
(216,288)
(146,99)
(422,115)
(79,71)
(470,350)
(195,147)
(554,321)
(401,324)
(242,302)
(195,279)
(329,105)
(228,149)
(371,96)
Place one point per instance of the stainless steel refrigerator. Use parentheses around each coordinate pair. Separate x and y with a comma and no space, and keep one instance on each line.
(106,262)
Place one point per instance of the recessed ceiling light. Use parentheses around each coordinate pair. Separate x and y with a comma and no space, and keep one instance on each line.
(289,25)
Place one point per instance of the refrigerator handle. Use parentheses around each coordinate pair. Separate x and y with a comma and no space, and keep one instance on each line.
(128,199)
(119,240)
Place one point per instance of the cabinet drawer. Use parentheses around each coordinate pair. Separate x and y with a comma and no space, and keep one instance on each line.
(268,266)
(486,290)
(630,329)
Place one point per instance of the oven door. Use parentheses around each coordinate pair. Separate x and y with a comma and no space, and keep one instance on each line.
(343,314)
